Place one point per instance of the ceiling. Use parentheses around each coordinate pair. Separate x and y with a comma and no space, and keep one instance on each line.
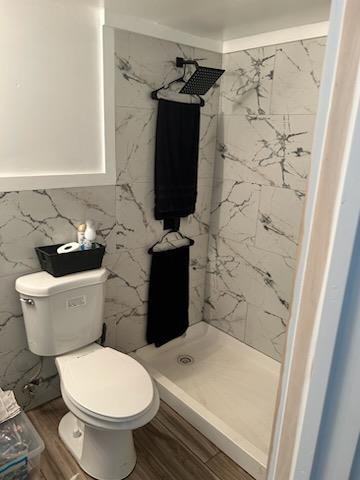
(224,19)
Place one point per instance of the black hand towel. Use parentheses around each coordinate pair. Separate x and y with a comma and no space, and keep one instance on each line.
(168,306)
(176,159)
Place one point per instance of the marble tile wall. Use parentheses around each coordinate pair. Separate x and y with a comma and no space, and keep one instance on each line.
(144,64)
(268,102)
(122,212)
(267,107)
(29,219)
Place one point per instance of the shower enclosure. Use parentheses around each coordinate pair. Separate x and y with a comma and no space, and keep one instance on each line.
(223,374)
(254,160)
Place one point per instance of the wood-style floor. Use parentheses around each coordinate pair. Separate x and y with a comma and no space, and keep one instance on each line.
(168,448)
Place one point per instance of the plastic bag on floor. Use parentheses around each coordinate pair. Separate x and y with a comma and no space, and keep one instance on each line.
(15,470)
(13,452)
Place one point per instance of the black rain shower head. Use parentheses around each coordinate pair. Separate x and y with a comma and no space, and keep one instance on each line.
(198,84)
(201,80)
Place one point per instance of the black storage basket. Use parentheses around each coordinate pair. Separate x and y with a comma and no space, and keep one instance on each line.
(62,264)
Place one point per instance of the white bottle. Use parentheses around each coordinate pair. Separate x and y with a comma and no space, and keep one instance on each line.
(89,235)
(81,235)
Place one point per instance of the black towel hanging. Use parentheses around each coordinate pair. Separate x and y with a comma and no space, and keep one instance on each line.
(168,300)
(176,161)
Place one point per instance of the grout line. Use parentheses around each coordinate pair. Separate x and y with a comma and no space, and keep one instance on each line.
(265,115)
(129,107)
(272,80)
(258,216)
(260,185)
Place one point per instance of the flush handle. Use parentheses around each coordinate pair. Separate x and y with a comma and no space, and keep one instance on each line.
(27,301)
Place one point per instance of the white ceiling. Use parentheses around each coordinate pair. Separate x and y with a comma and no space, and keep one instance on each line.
(224,19)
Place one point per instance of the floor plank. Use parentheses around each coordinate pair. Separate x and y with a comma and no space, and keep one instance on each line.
(59,408)
(186,433)
(224,467)
(168,448)
(56,462)
(40,475)
(171,455)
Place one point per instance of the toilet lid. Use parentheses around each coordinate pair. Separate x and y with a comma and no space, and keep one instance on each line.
(108,383)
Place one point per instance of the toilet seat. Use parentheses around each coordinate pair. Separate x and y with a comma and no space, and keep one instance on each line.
(112,424)
(106,386)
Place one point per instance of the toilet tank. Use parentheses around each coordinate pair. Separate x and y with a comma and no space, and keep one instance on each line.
(64,313)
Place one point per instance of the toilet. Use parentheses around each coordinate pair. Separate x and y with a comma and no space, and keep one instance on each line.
(108,393)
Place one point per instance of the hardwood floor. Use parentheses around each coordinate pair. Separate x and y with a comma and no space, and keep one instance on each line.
(168,448)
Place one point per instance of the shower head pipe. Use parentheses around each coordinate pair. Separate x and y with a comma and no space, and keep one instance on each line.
(181,62)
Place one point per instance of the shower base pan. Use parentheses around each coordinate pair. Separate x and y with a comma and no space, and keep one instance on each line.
(221,386)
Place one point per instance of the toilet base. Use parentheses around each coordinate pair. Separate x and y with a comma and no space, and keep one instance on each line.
(103,454)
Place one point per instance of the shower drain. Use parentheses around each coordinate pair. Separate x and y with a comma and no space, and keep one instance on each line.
(185,359)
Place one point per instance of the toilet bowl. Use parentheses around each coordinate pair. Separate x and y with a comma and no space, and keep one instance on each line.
(108,393)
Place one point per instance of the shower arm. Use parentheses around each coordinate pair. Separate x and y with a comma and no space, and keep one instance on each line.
(181,62)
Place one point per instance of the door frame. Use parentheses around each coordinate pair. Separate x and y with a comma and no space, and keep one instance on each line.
(329,233)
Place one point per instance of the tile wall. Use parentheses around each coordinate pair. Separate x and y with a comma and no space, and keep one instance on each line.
(29,219)
(122,212)
(144,64)
(250,205)
(268,102)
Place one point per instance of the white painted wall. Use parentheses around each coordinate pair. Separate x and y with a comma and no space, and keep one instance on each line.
(222,20)
(51,84)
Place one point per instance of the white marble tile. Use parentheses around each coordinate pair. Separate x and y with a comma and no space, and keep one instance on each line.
(32,218)
(12,332)
(126,300)
(197,272)
(279,220)
(131,329)
(18,365)
(266,332)
(135,144)
(95,203)
(234,209)
(264,138)
(199,222)
(268,150)
(196,304)
(246,84)
(29,219)
(145,63)
(137,226)
(198,259)
(224,311)
(127,285)
(225,302)
(297,74)
(207,145)
(206,58)
(110,337)
(239,272)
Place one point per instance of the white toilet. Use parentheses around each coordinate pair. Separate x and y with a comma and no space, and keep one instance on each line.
(108,393)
